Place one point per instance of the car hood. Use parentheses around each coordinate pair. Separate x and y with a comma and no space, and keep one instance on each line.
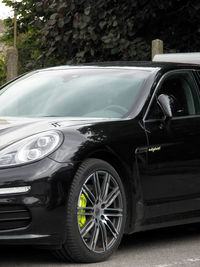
(14,129)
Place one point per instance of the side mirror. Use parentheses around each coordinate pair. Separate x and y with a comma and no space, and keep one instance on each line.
(165,102)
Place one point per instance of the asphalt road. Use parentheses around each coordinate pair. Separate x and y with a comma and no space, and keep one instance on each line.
(172,247)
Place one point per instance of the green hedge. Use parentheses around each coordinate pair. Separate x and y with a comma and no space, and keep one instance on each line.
(87,30)
(2,70)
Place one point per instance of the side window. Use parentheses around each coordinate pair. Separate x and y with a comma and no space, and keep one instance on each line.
(181,89)
(198,74)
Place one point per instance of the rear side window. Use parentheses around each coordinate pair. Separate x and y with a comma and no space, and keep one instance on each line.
(198,74)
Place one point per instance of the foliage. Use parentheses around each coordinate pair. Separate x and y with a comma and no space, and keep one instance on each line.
(100,31)
(30,21)
(77,31)
(2,70)
(113,30)
(176,23)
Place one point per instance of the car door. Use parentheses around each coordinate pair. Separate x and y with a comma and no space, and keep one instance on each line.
(170,180)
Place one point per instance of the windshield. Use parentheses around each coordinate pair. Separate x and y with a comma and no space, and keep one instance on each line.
(100,93)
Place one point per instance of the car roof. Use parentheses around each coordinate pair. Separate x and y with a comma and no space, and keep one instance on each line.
(152,64)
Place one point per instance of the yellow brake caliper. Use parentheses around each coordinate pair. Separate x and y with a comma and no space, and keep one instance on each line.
(82,204)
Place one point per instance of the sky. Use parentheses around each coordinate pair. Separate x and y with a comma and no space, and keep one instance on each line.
(5,11)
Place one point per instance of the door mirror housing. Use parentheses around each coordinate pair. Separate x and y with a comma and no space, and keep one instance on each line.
(165,103)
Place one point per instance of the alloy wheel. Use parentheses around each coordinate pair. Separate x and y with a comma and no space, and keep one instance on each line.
(100,211)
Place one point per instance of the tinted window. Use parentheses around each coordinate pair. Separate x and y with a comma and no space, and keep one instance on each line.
(74,92)
(184,97)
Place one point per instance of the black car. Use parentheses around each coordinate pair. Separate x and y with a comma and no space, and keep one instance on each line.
(89,153)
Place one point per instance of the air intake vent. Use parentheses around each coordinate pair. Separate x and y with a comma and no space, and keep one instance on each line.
(14,216)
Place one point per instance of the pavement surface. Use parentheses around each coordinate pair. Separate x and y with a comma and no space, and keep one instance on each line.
(170,247)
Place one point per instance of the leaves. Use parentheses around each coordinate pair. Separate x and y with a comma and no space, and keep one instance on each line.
(83,30)
(54,16)
(87,10)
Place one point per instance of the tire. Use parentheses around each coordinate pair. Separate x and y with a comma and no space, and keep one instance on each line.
(95,213)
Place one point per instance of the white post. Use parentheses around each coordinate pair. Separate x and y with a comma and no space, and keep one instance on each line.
(157,47)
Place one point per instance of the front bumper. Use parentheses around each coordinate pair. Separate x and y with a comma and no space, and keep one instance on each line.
(35,217)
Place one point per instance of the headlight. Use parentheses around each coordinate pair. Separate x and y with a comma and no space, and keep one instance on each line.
(30,149)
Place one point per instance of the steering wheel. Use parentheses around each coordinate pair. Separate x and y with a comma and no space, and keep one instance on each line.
(117,108)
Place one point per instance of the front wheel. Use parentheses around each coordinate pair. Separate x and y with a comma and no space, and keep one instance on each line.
(96,212)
